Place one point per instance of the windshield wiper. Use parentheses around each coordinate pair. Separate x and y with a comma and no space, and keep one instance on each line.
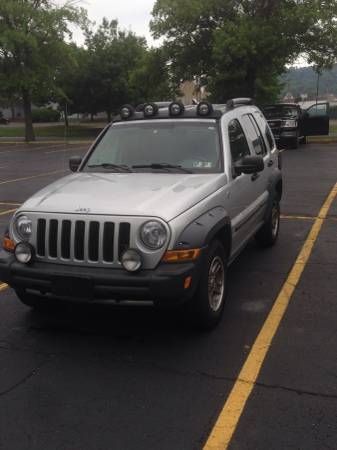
(161,166)
(109,166)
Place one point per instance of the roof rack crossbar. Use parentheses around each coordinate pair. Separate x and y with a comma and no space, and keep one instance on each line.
(234,102)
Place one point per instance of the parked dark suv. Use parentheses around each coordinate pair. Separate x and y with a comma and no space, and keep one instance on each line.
(291,124)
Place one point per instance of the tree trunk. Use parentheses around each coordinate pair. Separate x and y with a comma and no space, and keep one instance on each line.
(66,120)
(251,83)
(109,116)
(27,107)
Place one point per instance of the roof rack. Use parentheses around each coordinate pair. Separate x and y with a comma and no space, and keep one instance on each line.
(234,102)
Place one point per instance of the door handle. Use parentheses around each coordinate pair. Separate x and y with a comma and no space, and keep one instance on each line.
(270,163)
(255,176)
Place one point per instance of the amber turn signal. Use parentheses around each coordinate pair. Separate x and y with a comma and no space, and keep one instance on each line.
(8,244)
(181,255)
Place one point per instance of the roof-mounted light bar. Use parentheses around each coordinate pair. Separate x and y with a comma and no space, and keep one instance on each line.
(204,109)
(176,109)
(150,109)
(126,112)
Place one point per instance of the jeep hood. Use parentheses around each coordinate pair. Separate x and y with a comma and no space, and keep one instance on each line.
(161,195)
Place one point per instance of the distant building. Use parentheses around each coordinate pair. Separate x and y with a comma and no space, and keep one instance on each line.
(13,112)
(192,92)
(288,98)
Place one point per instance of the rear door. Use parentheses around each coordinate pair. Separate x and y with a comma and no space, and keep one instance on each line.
(316,120)
(259,180)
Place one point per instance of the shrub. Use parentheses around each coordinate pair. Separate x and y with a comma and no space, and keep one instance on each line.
(46,115)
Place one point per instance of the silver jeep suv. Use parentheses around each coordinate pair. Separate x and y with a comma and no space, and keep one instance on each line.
(164,200)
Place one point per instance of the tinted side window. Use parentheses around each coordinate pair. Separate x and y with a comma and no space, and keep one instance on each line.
(238,142)
(266,132)
(269,138)
(255,135)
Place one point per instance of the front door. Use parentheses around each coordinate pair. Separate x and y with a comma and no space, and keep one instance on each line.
(316,120)
(244,198)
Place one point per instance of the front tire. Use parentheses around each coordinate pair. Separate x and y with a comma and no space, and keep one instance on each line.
(295,143)
(206,307)
(268,234)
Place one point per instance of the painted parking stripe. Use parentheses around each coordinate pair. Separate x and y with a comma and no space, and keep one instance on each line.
(69,149)
(32,177)
(229,417)
(10,204)
(4,213)
(291,217)
(33,148)
(3,286)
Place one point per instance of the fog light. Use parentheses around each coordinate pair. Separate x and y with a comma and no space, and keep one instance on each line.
(23,252)
(131,260)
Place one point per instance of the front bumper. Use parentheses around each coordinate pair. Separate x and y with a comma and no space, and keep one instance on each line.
(284,136)
(163,285)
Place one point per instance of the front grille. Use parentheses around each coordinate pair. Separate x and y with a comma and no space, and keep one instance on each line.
(87,241)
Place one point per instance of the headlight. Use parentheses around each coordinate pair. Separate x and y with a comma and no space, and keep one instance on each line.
(23,227)
(153,234)
(291,123)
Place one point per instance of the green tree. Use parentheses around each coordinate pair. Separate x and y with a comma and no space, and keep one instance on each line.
(112,56)
(150,78)
(242,46)
(32,48)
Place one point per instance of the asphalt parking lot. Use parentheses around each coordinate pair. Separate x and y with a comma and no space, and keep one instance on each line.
(139,379)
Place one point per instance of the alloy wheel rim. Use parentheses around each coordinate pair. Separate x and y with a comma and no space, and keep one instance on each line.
(275,221)
(216,283)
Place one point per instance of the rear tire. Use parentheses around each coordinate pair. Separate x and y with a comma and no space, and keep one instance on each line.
(206,307)
(268,234)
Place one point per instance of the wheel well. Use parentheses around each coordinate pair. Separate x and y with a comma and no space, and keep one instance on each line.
(225,237)
(279,189)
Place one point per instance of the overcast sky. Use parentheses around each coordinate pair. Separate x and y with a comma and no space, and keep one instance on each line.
(131,14)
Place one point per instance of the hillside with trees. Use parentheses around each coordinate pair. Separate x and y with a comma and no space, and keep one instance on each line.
(303,80)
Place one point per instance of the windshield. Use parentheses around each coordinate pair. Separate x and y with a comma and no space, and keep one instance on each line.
(272,112)
(168,146)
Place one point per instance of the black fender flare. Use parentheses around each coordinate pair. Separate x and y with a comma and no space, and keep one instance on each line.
(202,231)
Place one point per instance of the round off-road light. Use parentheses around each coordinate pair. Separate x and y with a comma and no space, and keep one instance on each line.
(126,112)
(150,109)
(131,260)
(204,109)
(176,109)
(23,252)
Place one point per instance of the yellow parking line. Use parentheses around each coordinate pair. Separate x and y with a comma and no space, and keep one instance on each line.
(3,213)
(31,177)
(3,286)
(229,417)
(10,203)
(298,217)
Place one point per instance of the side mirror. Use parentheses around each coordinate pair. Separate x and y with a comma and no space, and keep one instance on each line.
(74,163)
(249,164)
